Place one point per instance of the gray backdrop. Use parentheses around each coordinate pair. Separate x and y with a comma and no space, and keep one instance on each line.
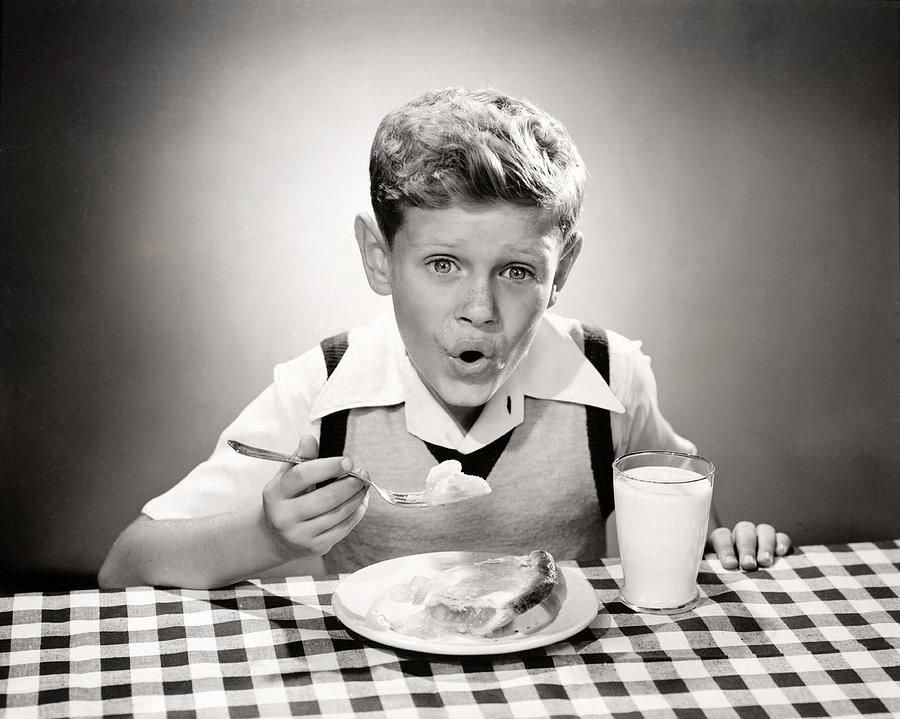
(180,180)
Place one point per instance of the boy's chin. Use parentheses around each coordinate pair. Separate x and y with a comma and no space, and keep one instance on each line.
(467,396)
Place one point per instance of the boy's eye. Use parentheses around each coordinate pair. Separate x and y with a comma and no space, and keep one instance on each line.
(517,273)
(442,266)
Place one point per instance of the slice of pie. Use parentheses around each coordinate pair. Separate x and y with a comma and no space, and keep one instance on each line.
(447,483)
(482,597)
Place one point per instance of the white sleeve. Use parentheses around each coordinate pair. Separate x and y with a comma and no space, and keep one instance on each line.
(642,425)
(276,420)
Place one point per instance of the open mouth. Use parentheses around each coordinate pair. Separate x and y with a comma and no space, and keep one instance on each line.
(470,356)
(473,356)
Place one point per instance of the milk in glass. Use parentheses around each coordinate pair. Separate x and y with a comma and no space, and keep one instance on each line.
(661,524)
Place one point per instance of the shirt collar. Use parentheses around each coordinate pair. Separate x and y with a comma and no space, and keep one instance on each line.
(376,372)
(370,374)
(556,368)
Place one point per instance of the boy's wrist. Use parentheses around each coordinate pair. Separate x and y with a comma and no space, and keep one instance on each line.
(279,549)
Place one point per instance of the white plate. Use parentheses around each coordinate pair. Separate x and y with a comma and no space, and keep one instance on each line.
(355,594)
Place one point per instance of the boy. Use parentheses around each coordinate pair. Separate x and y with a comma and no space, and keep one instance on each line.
(476,198)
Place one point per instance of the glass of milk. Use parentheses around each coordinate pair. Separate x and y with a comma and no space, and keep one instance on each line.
(662,519)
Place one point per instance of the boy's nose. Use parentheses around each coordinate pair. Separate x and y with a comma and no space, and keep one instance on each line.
(478,306)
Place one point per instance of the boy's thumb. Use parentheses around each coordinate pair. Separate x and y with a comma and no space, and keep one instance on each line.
(308,447)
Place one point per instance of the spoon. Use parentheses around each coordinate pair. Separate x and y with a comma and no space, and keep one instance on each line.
(398,499)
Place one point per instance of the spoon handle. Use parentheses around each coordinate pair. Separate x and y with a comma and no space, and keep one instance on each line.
(259,453)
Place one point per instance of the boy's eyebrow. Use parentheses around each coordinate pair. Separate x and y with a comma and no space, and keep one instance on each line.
(533,253)
(535,250)
(520,254)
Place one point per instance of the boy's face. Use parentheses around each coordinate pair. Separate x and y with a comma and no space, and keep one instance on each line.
(469,286)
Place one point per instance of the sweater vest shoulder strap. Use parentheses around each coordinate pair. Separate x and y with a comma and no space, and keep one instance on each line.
(333,429)
(599,431)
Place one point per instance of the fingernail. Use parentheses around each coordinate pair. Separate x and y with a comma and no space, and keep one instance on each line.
(765,558)
(346,464)
(730,562)
(779,548)
(748,561)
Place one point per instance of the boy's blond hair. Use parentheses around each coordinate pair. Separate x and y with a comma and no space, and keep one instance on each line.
(458,146)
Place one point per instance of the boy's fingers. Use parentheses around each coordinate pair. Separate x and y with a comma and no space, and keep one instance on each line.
(744,535)
(320,501)
(765,544)
(722,544)
(350,511)
(301,477)
(782,544)
(333,533)
(328,517)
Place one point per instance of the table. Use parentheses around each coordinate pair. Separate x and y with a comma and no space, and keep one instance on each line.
(817,634)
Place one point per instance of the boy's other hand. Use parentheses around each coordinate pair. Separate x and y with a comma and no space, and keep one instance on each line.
(304,520)
(757,545)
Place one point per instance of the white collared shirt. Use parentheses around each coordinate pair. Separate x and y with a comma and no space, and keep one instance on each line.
(375,371)
(554,368)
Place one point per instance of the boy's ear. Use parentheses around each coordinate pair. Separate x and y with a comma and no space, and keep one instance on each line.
(375,254)
(567,259)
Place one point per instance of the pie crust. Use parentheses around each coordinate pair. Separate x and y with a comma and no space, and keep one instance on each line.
(483,597)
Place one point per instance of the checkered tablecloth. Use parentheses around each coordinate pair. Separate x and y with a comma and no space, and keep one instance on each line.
(816,635)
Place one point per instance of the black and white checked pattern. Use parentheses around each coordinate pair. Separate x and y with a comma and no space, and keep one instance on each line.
(817,635)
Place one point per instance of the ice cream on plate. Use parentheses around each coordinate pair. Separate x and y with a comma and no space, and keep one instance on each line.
(447,483)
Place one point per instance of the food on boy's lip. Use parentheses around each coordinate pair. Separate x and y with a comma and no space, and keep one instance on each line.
(479,598)
(447,483)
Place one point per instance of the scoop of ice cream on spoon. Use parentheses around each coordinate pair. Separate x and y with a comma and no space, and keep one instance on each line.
(446,483)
